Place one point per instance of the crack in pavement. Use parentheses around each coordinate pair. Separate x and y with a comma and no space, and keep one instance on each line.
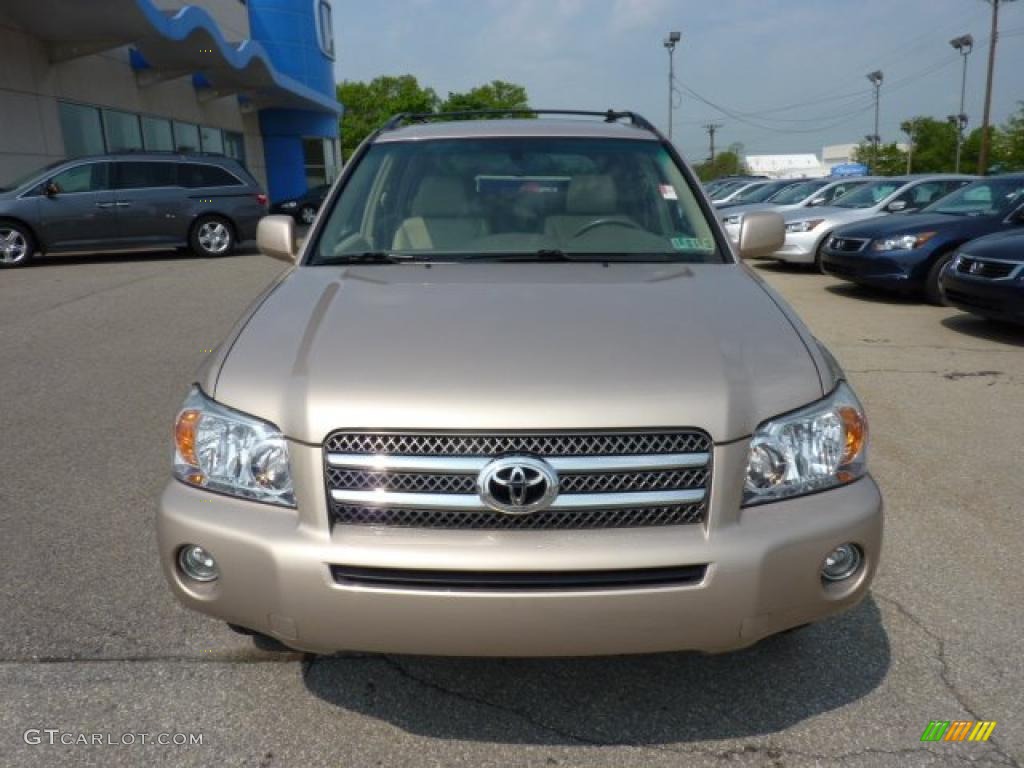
(770,751)
(945,669)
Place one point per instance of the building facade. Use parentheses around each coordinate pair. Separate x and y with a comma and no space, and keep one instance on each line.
(252,79)
(804,166)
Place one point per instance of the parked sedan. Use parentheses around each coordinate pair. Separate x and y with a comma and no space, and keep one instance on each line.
(909,253)
(758,192)
(808,229)
(812,193)
(986,277)
(303,208)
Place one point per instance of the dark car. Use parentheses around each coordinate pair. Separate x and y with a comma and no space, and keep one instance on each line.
(908,252)
(130,202)
(305,207)
(986,277)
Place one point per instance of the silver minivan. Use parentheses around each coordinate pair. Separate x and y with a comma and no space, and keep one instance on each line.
(129,202)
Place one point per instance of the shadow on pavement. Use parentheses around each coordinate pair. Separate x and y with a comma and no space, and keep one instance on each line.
(661,699)
(874,295)
(979,327)
(79,259)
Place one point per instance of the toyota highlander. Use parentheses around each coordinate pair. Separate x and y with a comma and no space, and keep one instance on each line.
(516,395)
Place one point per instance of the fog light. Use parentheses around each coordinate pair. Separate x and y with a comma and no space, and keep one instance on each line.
(842,562)
(196,563)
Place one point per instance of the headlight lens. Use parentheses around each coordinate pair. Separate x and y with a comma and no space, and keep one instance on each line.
(224,450)
(902,242)
(803,226)
(817,447)
(290,204)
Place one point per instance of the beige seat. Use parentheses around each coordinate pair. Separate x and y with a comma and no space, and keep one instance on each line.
(441,218)
(589,198)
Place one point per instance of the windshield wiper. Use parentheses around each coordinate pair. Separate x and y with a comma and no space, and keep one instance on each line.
(368,257)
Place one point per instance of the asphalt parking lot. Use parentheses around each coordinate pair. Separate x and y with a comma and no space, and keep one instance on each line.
(96,357)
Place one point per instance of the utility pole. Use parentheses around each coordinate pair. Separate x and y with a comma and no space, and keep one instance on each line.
(986,131)
(876,78)
(711,128)
(670,46)
(964,45)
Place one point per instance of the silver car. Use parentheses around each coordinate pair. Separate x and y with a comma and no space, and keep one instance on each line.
(808,194)
(516,395)
(807,229)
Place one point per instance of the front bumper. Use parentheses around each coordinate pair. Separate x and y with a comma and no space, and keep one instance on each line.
(800,247)
(892,270)
(998,299)
(763,576)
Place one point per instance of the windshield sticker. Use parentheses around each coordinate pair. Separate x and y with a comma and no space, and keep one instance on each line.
(693,244)
(668,192)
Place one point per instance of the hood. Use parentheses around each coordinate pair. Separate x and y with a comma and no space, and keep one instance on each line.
(518,346)
(910,223)
(1008,245)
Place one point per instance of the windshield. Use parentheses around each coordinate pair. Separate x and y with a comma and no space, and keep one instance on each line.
(761,192)
(982,198)
(19,181)
(869,195)
(727,188)
(796,193)
(517,198)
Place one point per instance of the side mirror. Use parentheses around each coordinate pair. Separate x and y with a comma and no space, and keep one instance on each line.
(816,201)
(896,206)
(275,237)
(51,189)
(762,233)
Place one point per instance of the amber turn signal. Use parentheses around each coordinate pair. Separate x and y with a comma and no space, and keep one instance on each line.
(185,436)
(855,430)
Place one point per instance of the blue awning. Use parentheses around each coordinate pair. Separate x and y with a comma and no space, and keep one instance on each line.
(168,45)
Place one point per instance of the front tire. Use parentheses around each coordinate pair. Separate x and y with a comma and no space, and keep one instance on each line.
(818,256)
(17,246)
(212,237)
(933,285)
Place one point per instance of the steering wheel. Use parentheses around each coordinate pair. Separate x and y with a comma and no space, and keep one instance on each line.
(606,223)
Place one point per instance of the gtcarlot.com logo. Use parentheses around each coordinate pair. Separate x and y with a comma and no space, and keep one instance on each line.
(958,730)
(55,736)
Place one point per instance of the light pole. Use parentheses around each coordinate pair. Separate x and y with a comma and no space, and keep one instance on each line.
(964,45)
(670,46)
(959,123)
(876,78)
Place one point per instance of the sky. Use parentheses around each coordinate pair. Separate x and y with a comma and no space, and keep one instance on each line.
(790,74)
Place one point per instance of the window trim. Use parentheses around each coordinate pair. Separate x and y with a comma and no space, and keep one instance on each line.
(325,35)
(33,191)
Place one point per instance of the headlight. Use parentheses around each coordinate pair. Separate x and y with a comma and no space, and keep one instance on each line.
(731,220)
(290,204)
(803,226)
(902,242)
(223,450)
(821,446)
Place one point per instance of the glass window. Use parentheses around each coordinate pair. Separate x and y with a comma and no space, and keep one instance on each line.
(607,199)
(797,193)
(122,131)
(194,175)
(83,130)
(145,175)
(212,140)
(325,27)
(316,162)
(186,137)
(234,146)
(157,134)
(868,195)
(982,198)
(91,177)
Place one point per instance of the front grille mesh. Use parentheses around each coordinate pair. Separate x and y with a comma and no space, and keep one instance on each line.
(606,444)
(546,520)
(993,270)
(433,478)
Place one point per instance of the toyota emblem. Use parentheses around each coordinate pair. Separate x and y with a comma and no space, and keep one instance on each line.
(518,485)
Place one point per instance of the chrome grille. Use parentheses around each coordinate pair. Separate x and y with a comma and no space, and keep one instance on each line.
(848,244)
(605,480)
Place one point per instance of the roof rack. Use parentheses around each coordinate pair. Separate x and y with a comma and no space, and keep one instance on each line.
(610,116)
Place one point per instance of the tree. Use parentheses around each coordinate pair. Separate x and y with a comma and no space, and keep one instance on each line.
(1009,142)
(726,163)
(497,94)
(892,161)
(368,105)
(934,145)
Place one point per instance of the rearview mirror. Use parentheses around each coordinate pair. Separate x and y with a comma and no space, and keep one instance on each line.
(275,237)
(896,206)
(762,233)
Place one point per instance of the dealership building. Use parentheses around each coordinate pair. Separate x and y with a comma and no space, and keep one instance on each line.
(252,79)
